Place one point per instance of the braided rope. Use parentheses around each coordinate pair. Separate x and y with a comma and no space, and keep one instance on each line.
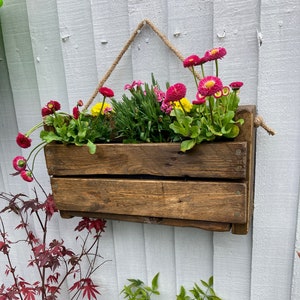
(125,48)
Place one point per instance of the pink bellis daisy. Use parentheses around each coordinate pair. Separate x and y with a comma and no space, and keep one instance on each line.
(236,85)
(19,163)
(209,85)
(26,175)
(190,61)
(215,53)
(175,92)
(199,99)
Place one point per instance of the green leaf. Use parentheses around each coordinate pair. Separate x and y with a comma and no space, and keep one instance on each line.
(92,147)
(234,132)
(49,136)
(187,145)
(155,282)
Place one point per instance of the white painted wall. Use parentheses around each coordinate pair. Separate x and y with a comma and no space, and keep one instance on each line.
(60,50)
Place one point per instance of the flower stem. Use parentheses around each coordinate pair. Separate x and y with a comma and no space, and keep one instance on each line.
(30,131)
(217,68)
(210,101)
(193,70)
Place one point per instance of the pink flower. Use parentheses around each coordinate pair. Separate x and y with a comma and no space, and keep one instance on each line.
(106,92)
(191,60)
(133,84)
(236,85)
(23,141)
(175,92)
(19,163)
(26,175)
(199,99)
(79,103)
(107,109)
(166,107)
(215,53)
(160,95)
(209,85)
(202,60)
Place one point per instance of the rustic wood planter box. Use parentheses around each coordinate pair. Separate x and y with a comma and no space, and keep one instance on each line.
(209,187)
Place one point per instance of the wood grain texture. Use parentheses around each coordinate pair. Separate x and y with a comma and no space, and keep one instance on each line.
(207,201)
(211,160)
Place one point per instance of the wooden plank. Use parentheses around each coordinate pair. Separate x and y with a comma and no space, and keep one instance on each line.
(205,225)
(210,160)
(194,200)
(250,137)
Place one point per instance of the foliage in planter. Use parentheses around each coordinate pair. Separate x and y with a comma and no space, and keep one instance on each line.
(149,114)
(138,290)
(54,262)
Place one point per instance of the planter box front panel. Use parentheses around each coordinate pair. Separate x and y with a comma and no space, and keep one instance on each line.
(210,160)
(191,200)
(209,187)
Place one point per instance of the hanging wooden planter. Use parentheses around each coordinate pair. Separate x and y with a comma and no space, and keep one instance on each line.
(208,187)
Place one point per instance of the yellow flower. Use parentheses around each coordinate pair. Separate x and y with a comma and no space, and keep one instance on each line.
(95,110)
(185,103)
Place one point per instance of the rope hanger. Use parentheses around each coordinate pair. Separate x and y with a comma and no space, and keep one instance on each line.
(258,122)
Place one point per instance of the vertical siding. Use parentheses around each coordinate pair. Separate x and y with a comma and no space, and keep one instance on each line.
(58,50)
(234,27)
(277,171)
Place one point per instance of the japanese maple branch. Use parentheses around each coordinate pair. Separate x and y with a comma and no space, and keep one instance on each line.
(12,269)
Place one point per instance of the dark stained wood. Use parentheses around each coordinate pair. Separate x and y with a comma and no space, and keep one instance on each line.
(206,225)
(190,200)
(209,160)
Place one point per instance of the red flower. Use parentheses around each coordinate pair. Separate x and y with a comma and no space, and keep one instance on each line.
(23,141)
(54,105)
(106,92)
(19,163)
(46,112)
(236,85)
(209,85)
(199,99)
(215,53)
(192,60)
(26,175)
(50,108)
(76,112)
(175,92)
